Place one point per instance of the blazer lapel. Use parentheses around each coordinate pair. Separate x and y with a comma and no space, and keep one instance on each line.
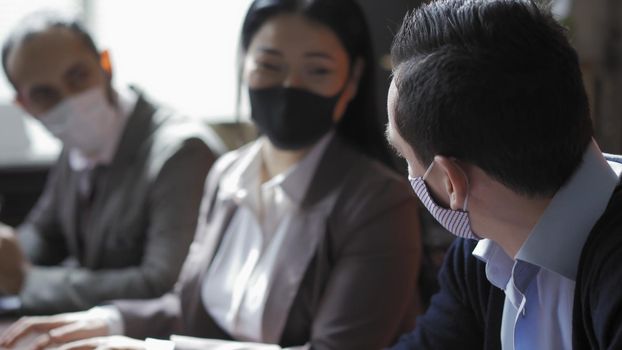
(69,215)
(108,201)
(305,231)
(307,228)
(198,264)
(215,232)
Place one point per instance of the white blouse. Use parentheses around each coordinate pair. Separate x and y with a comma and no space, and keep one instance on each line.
(239,279)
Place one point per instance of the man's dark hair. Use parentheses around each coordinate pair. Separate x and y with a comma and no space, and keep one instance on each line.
(494,83)
(37,23)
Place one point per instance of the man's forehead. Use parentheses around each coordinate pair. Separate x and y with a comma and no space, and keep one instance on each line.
(45,54)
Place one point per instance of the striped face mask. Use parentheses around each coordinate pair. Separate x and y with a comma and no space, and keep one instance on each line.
(454,221)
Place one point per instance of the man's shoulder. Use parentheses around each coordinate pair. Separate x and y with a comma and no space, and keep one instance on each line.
(163,127)
(463,273)
(597,292)
(464,264)
(466,312)
(601,256)
(606,236)
(168,139)
(170,128)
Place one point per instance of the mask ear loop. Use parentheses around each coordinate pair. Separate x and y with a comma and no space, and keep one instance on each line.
(22,97)
(427,172)
(466,200)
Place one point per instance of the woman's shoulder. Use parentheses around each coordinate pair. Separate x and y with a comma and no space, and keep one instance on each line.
(375,209)
(368,185)
(366,173)
(220,168)
(228,159)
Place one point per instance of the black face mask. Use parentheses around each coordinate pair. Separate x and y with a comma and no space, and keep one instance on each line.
(292,118)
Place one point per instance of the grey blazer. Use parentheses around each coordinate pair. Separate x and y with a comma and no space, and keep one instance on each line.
(354,283)
(143,218)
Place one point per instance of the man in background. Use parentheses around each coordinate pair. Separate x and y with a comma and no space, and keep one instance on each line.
(120,207)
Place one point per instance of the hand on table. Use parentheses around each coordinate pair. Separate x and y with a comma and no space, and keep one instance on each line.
(54,330)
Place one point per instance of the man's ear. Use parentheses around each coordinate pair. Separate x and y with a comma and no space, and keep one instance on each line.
(105,63)
(20,101)
(455,181)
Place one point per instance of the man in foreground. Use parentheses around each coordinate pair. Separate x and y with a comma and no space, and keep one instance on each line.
(488,108)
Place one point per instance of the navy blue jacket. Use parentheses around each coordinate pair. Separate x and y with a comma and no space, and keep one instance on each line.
(466,312)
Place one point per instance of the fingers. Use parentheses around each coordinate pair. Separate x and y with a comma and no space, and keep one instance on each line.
(42,342)
(85,344)
(70,332)
(76,331)
(29,325)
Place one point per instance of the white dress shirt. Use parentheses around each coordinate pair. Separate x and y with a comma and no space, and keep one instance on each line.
(239,279)
(550,257)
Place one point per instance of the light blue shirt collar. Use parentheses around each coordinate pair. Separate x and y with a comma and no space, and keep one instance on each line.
(498,263)
(556,242)
(549,258)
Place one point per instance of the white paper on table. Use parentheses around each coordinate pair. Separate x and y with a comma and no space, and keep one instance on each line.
(190,343)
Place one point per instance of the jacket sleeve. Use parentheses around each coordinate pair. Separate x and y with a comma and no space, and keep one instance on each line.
(597,316)
(161,317)
(40,235)
(173,207)
(455,317)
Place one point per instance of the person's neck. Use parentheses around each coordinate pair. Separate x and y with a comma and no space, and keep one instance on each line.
(510,219)
(277,161)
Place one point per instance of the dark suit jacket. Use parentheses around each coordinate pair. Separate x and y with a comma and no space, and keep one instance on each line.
(466,313)
(142,219)
(356,283)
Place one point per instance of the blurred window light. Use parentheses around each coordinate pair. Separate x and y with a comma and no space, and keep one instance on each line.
(181,53)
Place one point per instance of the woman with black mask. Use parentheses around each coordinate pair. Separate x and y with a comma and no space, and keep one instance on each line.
(305,239)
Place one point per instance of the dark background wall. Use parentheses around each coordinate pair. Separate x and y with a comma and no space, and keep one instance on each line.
(385,18)
(596,32)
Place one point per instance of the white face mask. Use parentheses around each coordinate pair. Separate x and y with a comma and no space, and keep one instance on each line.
(85,122)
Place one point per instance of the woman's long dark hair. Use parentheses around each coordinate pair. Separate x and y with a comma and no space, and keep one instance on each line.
(360,125)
